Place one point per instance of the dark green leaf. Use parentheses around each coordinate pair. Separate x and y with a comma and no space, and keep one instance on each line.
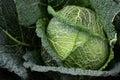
(29,11)
(59,4)
(8,18)
(9,22)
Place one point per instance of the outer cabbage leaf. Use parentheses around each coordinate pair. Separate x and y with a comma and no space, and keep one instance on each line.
(62,73)
(29,11)
(106,10)
(8,18)
(11,56)
(9,22)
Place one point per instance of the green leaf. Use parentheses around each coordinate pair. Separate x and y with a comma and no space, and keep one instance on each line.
(11,56)
(8,18)
(106,11)
(9,22)
(29,11)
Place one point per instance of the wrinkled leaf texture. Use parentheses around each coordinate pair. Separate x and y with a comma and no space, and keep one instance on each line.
(106,11)
(29,11)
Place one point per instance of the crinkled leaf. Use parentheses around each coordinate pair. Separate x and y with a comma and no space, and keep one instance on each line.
(64,70)
(72,73)
(29,11)
(11,56)
(106,10)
